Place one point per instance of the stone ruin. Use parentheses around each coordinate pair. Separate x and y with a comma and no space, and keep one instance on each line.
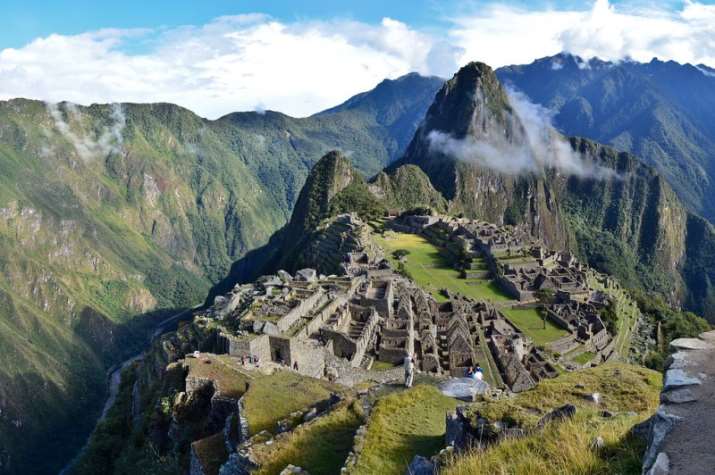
(369,313)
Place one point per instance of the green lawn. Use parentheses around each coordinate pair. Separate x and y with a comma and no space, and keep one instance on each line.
(584,357)
(271,398)
(531,323)
(433,271)
(403,425)
(382,366)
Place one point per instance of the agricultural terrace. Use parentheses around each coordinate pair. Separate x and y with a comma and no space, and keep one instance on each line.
(627,314)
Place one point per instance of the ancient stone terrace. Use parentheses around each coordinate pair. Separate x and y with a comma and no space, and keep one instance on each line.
(369,313)
(584,325)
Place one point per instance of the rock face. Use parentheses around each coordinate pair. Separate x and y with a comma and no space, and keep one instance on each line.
(564,412)
(471,108)
(642,108)
(678,439)
(421,466)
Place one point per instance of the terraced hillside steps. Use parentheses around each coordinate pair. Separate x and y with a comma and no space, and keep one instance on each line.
(683,430)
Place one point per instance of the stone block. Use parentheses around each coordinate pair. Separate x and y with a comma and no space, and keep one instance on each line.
(691,344)
(421,466)
(676,378)
(678,396)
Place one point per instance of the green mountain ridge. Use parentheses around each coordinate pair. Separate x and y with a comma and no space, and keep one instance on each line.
(112,211)
(661,111)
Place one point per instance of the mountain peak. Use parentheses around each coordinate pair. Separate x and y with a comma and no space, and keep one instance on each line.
(330,175)
(470,103)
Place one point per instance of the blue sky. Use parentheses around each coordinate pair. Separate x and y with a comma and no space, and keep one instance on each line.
(220,56)
(26,20)
(29,19)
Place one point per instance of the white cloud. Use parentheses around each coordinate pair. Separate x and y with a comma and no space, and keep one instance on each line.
(542,148)
(108,139)
(232,63)
(251,62)
(501,35)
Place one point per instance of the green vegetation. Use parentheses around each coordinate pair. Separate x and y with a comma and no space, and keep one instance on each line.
(408,188)
(382,366)
(620,316)
(403,425)
(357,198)
(320,447)
(229,381)
(672,324)
(533,323)
(272,398)
(560,449)
(431,269)
(90,240)
(584,357)
(566,447)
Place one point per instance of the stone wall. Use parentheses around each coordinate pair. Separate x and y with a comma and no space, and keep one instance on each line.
(319,320)
(363,342)
(302,309)
(257,346)
(680,433)
(310,356)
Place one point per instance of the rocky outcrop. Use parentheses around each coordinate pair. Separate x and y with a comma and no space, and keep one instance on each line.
(678,434)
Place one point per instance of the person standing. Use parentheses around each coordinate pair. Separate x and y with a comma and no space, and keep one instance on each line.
(409,365)
(479,373)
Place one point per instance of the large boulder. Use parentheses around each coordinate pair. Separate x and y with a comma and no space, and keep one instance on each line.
(463,388)
(421,466)
(566,411)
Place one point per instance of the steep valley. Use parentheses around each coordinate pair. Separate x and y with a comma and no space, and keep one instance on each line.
(114,216)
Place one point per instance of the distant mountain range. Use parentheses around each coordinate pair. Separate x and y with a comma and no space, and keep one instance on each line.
(663,112)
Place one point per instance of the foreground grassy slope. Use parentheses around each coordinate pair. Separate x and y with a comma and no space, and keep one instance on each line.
(320,447)
(403,425)
(631,393)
